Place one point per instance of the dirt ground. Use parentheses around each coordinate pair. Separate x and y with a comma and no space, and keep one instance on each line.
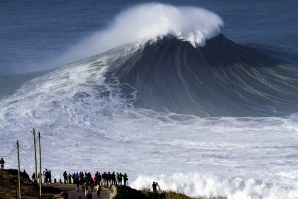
(9,188)
(73,194)
(9,185)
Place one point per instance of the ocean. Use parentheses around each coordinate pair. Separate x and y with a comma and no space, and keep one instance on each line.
(199,96)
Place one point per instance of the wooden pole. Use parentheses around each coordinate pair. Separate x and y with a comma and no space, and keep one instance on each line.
(19,172)
(35,158)
(40,177)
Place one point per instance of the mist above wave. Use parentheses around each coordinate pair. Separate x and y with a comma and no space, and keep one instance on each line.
(150,22)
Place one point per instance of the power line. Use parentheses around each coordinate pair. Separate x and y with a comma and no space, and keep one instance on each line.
(14,148)
(29,149)
(15,137)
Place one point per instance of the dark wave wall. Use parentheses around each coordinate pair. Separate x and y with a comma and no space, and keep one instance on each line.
(220,79)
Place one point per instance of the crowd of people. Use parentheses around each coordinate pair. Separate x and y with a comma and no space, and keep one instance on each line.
(85,182)
(88,183)
(47,176)
(106,178)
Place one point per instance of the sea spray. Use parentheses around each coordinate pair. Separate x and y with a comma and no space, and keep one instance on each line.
(209,185)
(149,22)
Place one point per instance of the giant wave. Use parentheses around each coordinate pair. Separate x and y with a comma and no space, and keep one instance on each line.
(156,108)
(184,65)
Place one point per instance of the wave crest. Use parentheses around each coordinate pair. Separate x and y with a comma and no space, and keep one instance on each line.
(150,21)
(155,20)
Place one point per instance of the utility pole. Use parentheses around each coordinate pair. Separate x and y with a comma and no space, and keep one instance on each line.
(19,173)
(40,178)
(35,158)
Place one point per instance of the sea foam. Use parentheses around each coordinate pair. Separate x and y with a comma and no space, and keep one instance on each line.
(195,184)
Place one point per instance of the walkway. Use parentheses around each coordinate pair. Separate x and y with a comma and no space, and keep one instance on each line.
(73,194)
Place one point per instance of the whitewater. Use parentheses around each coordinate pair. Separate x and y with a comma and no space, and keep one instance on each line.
(91,119)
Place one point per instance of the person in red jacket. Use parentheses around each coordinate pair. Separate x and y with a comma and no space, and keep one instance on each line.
(95,180)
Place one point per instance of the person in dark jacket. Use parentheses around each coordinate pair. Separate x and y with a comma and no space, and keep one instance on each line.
(154,185)
(33,178)
(125,178)
(2,163)
(65,176)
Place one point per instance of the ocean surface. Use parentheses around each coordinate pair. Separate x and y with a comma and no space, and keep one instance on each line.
(200,96)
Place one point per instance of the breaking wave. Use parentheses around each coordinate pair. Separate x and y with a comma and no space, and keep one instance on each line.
(150,22)
(206,185)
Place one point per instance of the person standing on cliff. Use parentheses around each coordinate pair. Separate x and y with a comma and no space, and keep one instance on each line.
(65,176)
(154,185)
(125,178)
(2,163)
(34,178)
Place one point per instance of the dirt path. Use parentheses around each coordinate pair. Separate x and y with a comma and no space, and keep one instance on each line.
(73,194)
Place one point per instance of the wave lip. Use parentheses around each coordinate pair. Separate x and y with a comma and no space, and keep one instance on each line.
(155,20)
(146,22)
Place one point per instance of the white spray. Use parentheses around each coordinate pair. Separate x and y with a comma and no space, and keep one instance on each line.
(150,22)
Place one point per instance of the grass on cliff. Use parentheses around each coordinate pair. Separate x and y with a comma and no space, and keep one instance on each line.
(129,193)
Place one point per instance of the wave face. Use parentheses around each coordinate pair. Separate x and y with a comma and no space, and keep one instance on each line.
(221,78)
